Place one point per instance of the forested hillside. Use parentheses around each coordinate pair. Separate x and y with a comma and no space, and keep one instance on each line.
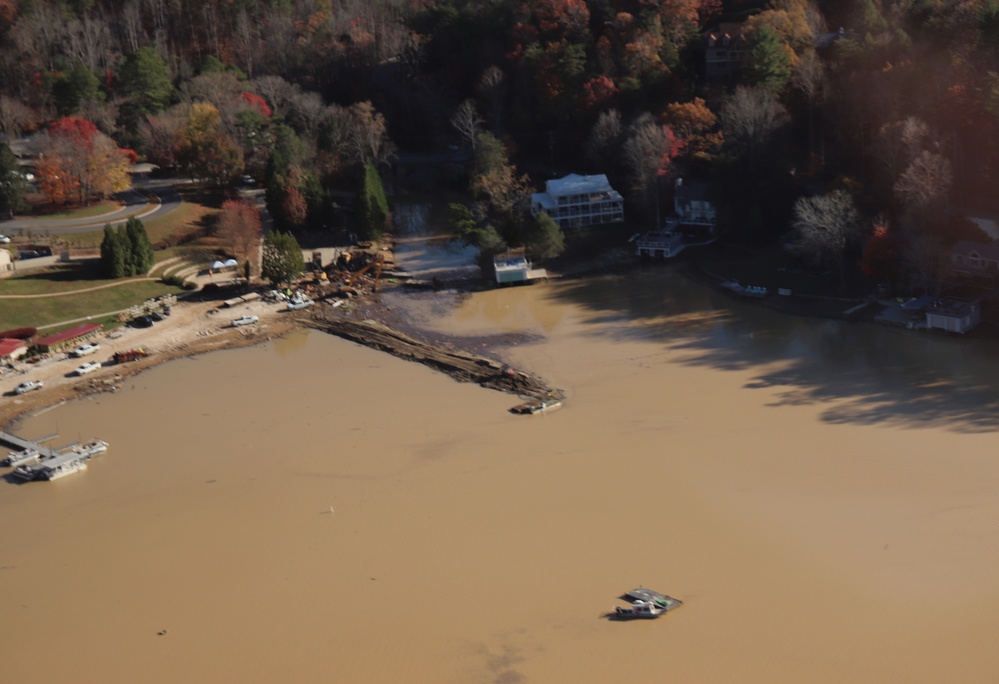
(865,127)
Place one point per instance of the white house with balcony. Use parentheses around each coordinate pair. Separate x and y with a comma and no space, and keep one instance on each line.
(579,201)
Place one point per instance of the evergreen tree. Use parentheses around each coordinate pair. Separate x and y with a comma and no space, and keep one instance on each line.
(114,253)
(145,81)
(282,259)
(139,248)
(766,61)
(74,88)
(544,239)
(13,186)
(371,207)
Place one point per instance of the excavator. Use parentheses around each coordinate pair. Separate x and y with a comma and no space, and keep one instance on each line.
(376,264)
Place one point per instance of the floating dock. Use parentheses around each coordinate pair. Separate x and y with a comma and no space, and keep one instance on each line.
(33,461)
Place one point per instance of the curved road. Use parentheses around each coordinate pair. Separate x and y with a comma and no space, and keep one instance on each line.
(169,199)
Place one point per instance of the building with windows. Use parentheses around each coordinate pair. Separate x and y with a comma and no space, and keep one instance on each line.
(579,201)
(723,50)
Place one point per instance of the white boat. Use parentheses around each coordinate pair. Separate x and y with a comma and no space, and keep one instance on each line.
(299,303)
(62,469)
(91,449)
(16,458)
(640,609)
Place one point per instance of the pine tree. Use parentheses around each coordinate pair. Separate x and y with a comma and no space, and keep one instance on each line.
(282,259)
(13,186)
(141,257)
(371,210)
(114,254)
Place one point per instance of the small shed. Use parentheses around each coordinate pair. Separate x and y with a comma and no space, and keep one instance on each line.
(69,337)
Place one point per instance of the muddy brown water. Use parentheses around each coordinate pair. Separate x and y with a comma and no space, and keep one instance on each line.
(821,496)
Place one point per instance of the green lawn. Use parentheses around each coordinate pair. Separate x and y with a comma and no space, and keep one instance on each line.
(191,217)
(96,209)
(46,310)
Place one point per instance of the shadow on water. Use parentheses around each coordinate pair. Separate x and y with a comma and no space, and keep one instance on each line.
(866,373)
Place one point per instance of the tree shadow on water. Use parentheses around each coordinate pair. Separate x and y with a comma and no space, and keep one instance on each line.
(864,373)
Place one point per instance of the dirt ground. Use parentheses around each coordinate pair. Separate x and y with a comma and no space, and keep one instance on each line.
(194,327)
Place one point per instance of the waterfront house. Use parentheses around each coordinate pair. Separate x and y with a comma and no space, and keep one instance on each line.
(579,201)
(692,206)
(975,261)
(723,50)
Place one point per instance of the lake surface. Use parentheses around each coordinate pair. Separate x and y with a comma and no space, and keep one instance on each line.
(821,495)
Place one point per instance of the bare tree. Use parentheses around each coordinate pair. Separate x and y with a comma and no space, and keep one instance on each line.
(277,91)
(15,117)
(826,226)
(492,92)
(466,121)
(925,184)
(605,140)
(648,149)
(899,143)
(749,116)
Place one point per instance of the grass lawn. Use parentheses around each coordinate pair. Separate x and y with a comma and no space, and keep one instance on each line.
(190,218)
(75,275)
(96,209)
(47,310)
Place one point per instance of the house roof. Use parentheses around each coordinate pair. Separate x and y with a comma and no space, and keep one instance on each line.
(68,334)
(988,250)
(731,30)
(691,190)
(9,345)
(574,184)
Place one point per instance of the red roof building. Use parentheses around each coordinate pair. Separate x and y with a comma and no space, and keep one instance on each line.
(69,337)
(11,348)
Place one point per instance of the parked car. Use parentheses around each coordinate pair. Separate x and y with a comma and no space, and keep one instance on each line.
(142,322)
(245,320)
(249,181)
(299,303)
(86,349)
(28,385)
(4,240)
(157,316)
(88,367)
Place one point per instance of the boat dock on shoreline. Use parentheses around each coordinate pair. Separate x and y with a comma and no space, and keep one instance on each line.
(35,462)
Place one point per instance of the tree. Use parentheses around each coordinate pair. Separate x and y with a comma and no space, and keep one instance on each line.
(826,226)
(114,253)
(239,229)
(749,116)
(371,207)
(648,151)
(13,185)
(765,61)
(282,259)
(925,184)
(145,81)
(466,121)
(544,239)
(205,151)
(140,250)
(77,159)
(74,88)
(493,178)
(15,117)
(696,126)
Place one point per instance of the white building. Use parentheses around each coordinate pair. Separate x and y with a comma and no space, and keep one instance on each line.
(579,201)
(692,206)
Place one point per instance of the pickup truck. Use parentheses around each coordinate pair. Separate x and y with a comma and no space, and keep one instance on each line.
(245,320)
(28,385)
(86,349)
(88,367)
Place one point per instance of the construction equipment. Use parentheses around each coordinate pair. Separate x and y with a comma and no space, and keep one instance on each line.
(375,263)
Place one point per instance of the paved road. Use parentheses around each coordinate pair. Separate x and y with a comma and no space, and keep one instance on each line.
(134,201)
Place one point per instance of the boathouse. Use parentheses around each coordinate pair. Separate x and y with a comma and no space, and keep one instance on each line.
(579,201)
(513,266)
(954,315)
(70,337)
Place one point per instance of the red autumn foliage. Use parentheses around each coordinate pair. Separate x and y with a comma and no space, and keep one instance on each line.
(598,91)
(132,155)
(878,259)
(258,103)
(76,129)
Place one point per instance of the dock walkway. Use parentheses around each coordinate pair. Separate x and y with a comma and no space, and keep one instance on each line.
(24,444)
